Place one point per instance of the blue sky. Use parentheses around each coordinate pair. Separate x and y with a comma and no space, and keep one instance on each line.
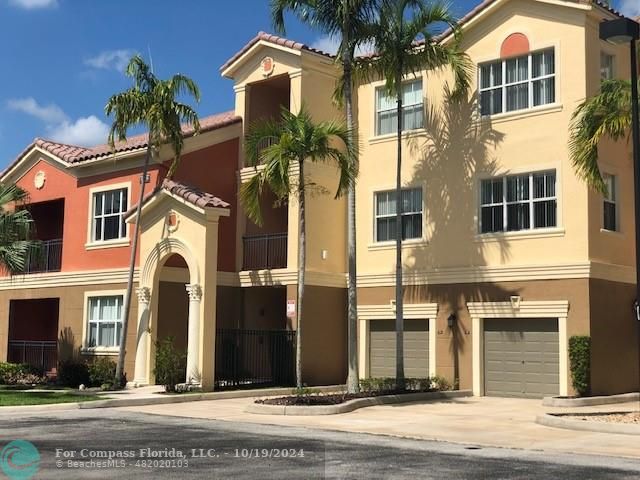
(64,58)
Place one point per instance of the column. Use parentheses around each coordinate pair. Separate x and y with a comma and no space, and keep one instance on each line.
(193,342)
(141,374)
(564,356)
(476,347)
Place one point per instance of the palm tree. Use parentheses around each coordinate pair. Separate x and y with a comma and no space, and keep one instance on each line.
(293,140)
(349,20)
(150,102)
(607,114)
(16,230)
(405,38)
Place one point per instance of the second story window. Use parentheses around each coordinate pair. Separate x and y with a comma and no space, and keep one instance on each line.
(518,202)
(385,214)
(610,204)
(109,208)
(412,109)
(518,83)
(606,66)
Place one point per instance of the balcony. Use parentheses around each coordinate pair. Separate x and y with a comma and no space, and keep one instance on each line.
(42,355)
(264,252)
(48,259)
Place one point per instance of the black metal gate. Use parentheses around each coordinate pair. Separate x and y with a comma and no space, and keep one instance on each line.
(250,358)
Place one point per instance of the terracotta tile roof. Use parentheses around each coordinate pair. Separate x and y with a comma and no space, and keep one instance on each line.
(276,40)
(193,195)
(73,154)
(188,193)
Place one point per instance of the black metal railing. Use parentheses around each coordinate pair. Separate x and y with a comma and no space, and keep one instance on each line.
(47,259)
(264,251)
(248,358)
(42,355)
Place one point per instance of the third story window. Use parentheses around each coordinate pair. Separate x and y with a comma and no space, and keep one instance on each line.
(518,83)
(412,109)
(109,208)
(518,202)
(385,213)
(611,204)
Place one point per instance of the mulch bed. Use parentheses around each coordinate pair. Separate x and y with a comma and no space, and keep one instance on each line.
(327,399)
(615,417)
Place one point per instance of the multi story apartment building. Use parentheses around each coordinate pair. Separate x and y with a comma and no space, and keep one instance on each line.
(506,253)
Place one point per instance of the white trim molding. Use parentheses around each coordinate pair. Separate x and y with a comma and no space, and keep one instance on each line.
(527,309)
(387,311)
(67,279)
(280,276)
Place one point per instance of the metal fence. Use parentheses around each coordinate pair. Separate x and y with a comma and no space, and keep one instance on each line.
(247,358)
(39,354)
(48,259)
(264,251)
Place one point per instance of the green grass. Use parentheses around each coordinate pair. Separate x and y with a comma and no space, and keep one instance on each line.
(26,397)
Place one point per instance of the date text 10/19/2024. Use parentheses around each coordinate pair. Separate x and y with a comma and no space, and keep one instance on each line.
(174,453)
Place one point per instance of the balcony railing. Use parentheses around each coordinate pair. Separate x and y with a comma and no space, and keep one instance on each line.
(262,252)
(42,355)
(48,259)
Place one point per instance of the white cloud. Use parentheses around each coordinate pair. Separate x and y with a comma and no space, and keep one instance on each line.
(111,59)
(631,8)
(330,44)
(33,4)
(47,113)
(84,131)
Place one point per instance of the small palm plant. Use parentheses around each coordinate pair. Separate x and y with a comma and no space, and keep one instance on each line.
(406,38)
(151,102)
(16,230)
(291,142)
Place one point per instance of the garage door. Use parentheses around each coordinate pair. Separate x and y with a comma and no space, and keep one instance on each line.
(382,348)
(521,357)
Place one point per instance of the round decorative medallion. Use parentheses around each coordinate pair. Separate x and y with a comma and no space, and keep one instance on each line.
(39,179)
(172,221)
(267,66)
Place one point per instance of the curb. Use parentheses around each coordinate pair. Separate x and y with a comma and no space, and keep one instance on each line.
(557,421)
(352,405)
(590,401)
(163,400)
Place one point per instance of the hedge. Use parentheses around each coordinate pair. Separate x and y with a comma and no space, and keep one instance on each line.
(580,364)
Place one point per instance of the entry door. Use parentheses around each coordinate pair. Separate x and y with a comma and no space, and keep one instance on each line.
(382,348)
(521,357)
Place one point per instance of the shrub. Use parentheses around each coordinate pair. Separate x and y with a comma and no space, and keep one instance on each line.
(305,391)
(170,365)
(435,383)
(72,373)
(440,384)
(580,364)
(20,374)
(102,372)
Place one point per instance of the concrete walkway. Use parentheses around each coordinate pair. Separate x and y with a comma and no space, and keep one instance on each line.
(474,421)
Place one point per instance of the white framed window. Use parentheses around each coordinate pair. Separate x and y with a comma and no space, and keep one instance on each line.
(412,109)
(610,205)
(518,202)
(108,209)
(518,83)
(385,214)
(104,321)
(607,66)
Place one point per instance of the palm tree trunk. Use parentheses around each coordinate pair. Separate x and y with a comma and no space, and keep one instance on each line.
(399,309)
(302,257)
(132,266)
(353,384)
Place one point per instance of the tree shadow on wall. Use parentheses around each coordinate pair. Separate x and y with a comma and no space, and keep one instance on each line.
(459,150)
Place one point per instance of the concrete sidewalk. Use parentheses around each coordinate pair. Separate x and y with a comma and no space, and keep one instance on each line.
(475,421)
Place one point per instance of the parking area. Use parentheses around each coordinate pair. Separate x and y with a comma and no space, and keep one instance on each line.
(475,421)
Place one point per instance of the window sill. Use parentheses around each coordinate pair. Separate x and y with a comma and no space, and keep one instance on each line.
(121,242)
(392,245)
(613,233)
(521,235)
(100,350)
(519,114)
(389,137)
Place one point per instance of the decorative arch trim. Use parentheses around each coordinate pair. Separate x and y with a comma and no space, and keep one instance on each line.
(514,45)
(160,252)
